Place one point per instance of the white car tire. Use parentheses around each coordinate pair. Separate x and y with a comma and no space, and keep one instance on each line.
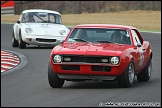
(14,41)
(22,44)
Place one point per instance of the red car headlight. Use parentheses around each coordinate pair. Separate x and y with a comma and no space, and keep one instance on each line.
(57,59)
(114,60)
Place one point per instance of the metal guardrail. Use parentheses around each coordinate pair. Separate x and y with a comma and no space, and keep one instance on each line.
(7,10)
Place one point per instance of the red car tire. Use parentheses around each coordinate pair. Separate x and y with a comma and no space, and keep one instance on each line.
(127,78)
(54,80)
(146,73)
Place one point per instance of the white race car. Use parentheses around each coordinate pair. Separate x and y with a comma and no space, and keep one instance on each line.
(39,27)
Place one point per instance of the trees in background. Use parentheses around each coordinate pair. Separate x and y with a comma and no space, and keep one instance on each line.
(78,7)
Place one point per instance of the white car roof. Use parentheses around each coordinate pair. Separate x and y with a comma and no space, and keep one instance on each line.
(40,10)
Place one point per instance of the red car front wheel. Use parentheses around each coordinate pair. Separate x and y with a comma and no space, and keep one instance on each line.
(127,78)
(53,79)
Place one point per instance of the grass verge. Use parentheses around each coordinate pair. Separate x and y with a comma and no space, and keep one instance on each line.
(143,20)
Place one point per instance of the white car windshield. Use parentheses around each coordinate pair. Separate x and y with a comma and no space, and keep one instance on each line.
(100,35)
(41,17)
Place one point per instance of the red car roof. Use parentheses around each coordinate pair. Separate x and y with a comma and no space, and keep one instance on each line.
(104,26)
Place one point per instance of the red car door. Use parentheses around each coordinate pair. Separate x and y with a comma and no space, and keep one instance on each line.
(140,50)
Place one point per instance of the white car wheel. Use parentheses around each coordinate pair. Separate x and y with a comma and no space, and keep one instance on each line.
(22,44)
(14,41)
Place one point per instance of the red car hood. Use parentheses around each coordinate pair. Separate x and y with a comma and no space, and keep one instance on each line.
(80,48)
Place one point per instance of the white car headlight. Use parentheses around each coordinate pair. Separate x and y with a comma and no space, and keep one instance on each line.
(114,60)
(57,59)
(62,32)
(28,30)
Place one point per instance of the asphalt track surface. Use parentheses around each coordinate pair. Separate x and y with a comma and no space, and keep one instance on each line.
(29,87)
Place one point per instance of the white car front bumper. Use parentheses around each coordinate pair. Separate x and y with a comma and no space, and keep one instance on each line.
(42,40)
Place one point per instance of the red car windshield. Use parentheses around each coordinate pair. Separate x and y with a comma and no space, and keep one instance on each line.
(101,35)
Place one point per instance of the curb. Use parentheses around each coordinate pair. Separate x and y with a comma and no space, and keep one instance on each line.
(11,61)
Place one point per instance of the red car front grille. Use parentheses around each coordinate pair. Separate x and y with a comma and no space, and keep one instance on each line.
(101,68)
(86,59)
(70,67)
(93,68)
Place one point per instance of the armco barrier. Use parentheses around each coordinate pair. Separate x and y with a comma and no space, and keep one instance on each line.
(7,10)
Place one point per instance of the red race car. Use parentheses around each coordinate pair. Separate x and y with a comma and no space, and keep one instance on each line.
(101,52)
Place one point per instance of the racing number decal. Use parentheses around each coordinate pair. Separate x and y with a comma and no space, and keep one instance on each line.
(141,59)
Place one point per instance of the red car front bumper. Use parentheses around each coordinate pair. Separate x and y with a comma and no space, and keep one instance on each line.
(88,71)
